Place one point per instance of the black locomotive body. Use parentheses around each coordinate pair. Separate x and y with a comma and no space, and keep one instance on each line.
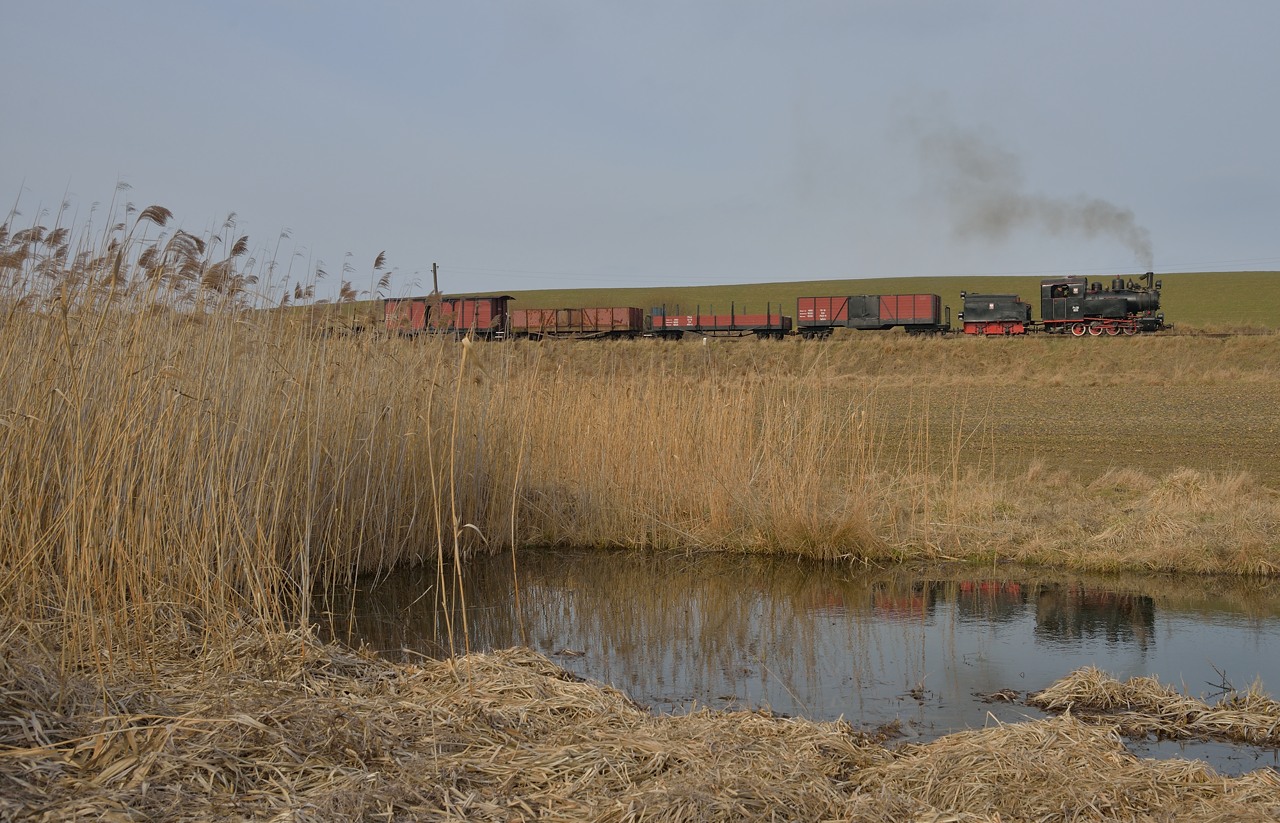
(1076,306)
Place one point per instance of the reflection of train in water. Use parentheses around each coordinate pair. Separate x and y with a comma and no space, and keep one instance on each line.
(905,600)
(1071,613)
(1068,305)
(1064,612)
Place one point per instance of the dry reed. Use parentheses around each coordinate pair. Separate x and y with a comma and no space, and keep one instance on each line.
(1145,706)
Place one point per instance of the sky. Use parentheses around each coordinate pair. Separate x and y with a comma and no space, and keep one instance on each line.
(524,144)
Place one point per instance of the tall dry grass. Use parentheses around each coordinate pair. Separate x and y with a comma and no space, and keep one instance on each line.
(169,450)
(667,461)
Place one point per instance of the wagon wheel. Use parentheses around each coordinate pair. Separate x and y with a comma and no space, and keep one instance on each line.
(1077,329)
(1095,329)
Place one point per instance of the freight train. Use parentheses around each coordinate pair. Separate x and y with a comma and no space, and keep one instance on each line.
(1068,305)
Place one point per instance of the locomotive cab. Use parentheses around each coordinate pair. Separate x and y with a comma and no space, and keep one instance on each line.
(1062,300)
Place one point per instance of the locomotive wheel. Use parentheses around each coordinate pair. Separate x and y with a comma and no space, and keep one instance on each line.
(1077,329)
(1095,330)
(1130,329)
(1112,331)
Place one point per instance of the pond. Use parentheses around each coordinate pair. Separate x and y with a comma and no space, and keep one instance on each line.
(921,647)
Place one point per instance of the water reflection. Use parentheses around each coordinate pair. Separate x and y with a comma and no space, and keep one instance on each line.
(917,646)
(990,600)
(1074,614)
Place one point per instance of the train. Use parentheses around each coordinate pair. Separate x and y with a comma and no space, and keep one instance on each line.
(1071,305)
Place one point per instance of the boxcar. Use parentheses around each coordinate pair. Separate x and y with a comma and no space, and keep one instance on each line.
(484,317)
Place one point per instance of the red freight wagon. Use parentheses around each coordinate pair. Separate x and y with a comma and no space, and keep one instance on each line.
(917,313)
(618,321)
(674,324)
(910,309)
(480,316)
(821,311)
(406,316)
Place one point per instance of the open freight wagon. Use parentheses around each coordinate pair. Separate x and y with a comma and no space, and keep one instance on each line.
(674,325)
(917,313)
(578,324)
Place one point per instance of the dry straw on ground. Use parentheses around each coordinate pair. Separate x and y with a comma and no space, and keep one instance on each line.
(283,728)
(1145,706)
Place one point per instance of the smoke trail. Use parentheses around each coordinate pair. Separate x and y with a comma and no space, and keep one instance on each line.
(983,187)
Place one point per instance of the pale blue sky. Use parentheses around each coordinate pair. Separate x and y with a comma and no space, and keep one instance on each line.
(551,143)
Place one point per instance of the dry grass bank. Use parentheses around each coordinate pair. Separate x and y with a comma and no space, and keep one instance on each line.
(742,448)
(300,731)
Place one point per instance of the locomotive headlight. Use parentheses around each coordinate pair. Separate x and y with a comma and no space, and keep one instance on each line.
(1159,285)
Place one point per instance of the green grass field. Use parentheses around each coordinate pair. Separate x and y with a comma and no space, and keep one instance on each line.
(1194,300)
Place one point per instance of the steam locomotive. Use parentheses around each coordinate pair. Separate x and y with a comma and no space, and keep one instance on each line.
(1068,305)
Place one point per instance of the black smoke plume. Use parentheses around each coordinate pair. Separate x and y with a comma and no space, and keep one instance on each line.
(983,188)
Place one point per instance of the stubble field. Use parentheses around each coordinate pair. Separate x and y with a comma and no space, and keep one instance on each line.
(1156,405)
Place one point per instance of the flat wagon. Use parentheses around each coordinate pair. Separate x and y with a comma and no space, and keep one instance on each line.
(674,324)
(583,324)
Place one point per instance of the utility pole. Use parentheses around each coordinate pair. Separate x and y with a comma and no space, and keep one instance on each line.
(433,300)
